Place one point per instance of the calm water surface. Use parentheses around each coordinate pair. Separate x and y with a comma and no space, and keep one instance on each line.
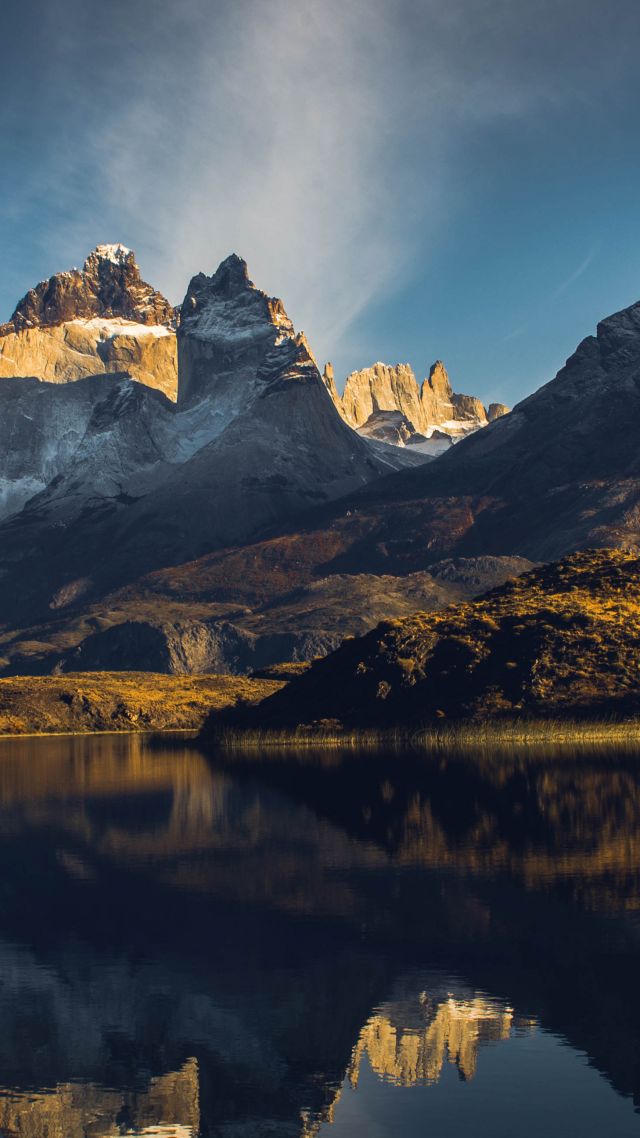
(342,946)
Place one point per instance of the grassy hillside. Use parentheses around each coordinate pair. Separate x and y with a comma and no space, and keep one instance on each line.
(121,701)
(562,640)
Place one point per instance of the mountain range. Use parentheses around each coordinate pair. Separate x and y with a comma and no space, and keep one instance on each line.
(183,490)
(386,403)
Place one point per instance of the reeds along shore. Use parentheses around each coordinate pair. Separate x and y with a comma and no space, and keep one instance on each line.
(536,733)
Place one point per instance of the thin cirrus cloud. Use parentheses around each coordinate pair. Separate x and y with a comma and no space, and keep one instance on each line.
(581,269)
(310,138)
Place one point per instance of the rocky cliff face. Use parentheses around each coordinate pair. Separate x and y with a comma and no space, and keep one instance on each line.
(496,411)
(255,440)
(125,450)
(382,388)
(386,403)
(103,318)
(436,396)
(227,329)
(329,380)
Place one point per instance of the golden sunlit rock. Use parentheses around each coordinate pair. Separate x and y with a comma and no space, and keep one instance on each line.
(453,1031)
(168,1108)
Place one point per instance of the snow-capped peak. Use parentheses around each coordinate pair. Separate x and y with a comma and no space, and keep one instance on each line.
(117,254)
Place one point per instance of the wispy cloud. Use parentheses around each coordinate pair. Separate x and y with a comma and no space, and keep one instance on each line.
(269,133)
(281,132)
(314,137)
(566,284)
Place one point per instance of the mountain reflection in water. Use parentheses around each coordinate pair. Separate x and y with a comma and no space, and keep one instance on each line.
(283,944)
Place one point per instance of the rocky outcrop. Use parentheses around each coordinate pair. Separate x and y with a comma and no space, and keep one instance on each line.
(382,388)
(468,407)
(386,403)
(101,319)
(436,396)
(329,380)
(202,633)
(391,427)
(192,647)
(496,411)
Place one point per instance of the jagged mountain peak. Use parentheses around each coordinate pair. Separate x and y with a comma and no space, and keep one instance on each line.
(228,328)
(497,411)
(229,303)
(329,380)
(385,402)
(115,254)
(109,285)
(232,273)
(617,338)
(438,378)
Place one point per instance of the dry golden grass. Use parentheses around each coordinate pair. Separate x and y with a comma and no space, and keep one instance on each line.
(121,701)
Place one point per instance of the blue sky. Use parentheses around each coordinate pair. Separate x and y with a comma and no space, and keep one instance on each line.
(415,179)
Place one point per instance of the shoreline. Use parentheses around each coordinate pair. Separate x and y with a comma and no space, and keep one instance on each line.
(192,731)
(466,735)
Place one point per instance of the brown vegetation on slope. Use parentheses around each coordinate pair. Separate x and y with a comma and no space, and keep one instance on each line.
(561,640)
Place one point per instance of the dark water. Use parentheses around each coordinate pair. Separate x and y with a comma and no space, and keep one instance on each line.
(353,947)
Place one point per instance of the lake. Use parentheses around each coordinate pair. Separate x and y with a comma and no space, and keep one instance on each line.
(334,944)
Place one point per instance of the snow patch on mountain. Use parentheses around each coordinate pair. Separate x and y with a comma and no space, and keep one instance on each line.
(117,326)
(117,254)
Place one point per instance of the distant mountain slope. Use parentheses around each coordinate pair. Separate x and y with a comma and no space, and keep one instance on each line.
(220,615)
(42,426)
(570,453)
(561,640)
